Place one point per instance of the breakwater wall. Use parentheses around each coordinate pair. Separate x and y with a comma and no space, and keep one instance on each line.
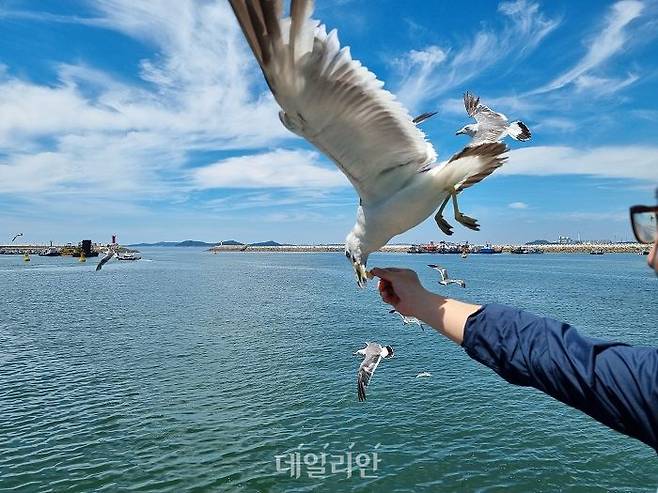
(575,248)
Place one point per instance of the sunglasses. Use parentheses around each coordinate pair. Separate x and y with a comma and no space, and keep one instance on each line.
(645,224)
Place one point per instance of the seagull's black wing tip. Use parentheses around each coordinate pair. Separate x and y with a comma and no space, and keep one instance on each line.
(360,388)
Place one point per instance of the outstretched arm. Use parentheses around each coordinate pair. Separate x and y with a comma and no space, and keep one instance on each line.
(402,289)
(612,382)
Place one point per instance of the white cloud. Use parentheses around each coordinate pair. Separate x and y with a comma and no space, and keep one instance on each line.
(432,71)
(198,91)
(94,163)
(518,205)
(600,86)
(637,162)
(556,123)
(609,42)
(275,169)
(585,82)
(615,215)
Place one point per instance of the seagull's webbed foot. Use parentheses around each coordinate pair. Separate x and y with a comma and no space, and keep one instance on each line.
(443,224)
(362,275)
(463,219)
(467,221)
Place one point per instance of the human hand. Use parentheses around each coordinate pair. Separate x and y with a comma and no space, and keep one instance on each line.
(402,289)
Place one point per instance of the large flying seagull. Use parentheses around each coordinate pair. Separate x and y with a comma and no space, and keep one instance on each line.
(339,106)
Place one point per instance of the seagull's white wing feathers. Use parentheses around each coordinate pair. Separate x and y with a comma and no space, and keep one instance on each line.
(332,100)
(490,123)
(366,370)
(105,259)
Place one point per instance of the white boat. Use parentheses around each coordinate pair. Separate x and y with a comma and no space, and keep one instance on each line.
(128,256)
(50,252)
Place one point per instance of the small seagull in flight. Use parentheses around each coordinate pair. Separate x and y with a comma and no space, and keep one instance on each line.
(408,320)
(373,354)
(16,236)
(110,253)
(424,374)
(445,279)
(490,126)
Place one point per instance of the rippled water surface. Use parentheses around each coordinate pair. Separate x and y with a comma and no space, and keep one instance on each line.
(191,372)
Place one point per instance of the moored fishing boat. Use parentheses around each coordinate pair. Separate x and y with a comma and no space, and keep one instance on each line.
(488,250)
(128,256)
(50,252)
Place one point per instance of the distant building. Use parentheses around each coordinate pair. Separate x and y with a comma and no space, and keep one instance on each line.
(86,247)
(564,240)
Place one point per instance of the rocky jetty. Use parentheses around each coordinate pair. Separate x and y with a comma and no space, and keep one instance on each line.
(581,248)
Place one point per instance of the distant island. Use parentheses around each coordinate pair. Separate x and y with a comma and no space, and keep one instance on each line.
(197,243)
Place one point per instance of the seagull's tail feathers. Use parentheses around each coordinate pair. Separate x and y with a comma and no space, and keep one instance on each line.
(519,131)
(474,163)
(389,352)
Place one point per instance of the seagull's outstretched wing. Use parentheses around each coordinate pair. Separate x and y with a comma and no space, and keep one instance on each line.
(333,101)
(366,370)
(490,123)
(105,260)
(443,272)
(477,162)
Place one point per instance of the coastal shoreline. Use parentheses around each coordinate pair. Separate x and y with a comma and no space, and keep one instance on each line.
(582,248)
(62,250)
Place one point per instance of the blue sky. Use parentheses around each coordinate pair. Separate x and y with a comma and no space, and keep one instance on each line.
(151,119)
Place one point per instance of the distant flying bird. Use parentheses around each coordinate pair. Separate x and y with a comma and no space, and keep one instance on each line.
(372,355)
(16,236)
(408,320)
(424,374)
(339,106)
(490,126)
(423,116)
(110,253)
(445,279)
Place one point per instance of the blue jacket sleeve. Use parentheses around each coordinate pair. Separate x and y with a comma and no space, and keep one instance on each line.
(614,383)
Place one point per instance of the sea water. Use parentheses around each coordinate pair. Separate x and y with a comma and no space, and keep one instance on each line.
(188,371)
